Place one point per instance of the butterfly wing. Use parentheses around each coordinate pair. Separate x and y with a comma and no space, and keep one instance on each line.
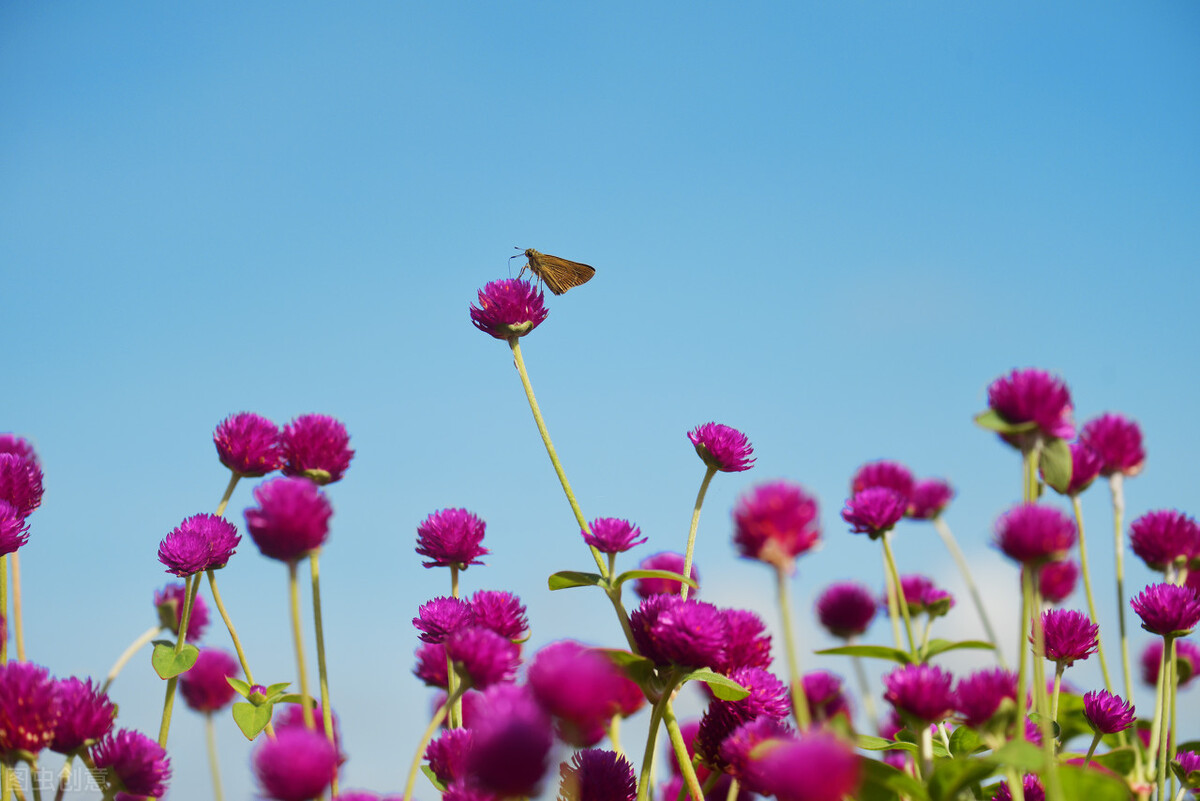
(558,274)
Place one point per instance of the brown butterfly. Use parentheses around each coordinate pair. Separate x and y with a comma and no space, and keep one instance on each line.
(558,274)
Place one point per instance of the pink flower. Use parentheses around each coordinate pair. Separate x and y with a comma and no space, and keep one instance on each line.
(14,531)
(826,699)
(892,475)
(722,448)
(748,645)
(595,775)
(923,597)
(482,656)
(775,523)
(742,746)
(85,715)
(1085,466)
(512,739)
(509,308)
(669,630)
(20,482)
(814,767)
(1056,580)
(248,444)
(1032,786)
(1167,609)
(1033,396)
(922,692)
(1165,538)
(431,665)
(1118,442)
(136,764)
(500,611)
(1069,636)
(580,687)
(768,698)
(291,519)
(670,562)
(846,609)
(979,695)
(203,686)
(298,764)
(441,617)
(874,511)
(317,447)
(447,755)
(1107,713)
(929,498)
(169,603)
(1187,661)
(452,538)
(1032,534)
(612,535)
(200,542)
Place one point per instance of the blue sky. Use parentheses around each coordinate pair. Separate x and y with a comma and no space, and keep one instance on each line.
(830,225)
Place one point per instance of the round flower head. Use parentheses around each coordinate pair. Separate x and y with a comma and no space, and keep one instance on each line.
(672,563)
(203,686)
(740,747)
(580,687)
(1118,442)
(14,531)
(595,775)
(922,692)
(1032,534)
(447,755)
(1032,396)
(291,716)
(1107,713)
(500,611)
(929,498)
(1085,466)
(670,630)
(298,764)
(135,763)
(1187,768)
(826,699)
(1187,662)
(892,475)
(482,656)
(874,511)
(612,535)
(441,617)
(923,597)
(817,766)
(1165,538)
(846,609)
(1167,609)
(512,739)
(1069,636)
(248,444)
(431,665)
(85,715)
(748,645)
(19,446)
(317,447)
(29,708)
(775,523)
(509,308)
(169,602)
(722,448)
(451,538)
(291,519)
(768,698)
(1032,786)
(20,482)
(1056,580)
(979,696)
(200,542)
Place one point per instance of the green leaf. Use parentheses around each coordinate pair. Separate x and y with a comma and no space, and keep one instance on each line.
(433,779)
(638,668)
(992,421)
(290,698)
(1025,757)
(952,775)
(1056,464)
(1120,761)
(722,687)
(868,742)
(251,719)
(1080,782)
(565,579)
(658,574)
(882,782)
(242,688)
(871,652)
(937,646)
(276,689)
(168,664)
(964,742)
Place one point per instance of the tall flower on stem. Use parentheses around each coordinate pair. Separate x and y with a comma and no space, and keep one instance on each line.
(248,444)
(722,449)
(846,610)
(317,447)
(21,488)
(1106,714)
(206,690)
(132,763)
(874,511)
(1067,637)
(923,696)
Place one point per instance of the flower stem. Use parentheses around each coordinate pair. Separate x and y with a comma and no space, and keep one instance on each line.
(233,482)
(135,646)
(613,730)
(1117,486)
(691,543)
(1156,725)
(1087,589)
(191,587)
(864,689)
(214,765)
(4,614)
(515,344)
(901,601)
(1168,678)
(795,680)
(1059,667)
(322,673)
(681,753)
(18,625)
(647,775)
(1172,704)
(925,746)
(237,643)
(35,780)
(1045,718)
(1092,749)
(430,730)
(64,776)
(964,569)
(298,639)
(892,604)
(1022,656)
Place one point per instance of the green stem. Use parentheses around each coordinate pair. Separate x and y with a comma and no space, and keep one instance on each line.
(892,604)
(237,643)
(1117,487)
(214,765)
(1168,678)
(434,723)
(64,776)
(647,775)
(1022,658)
(35,781)
(233,482)
(298,639)
(18,625)
(451,676)
(519,360)
(614,595)
(1092,749)
(691,542)
(1159,697)
(1059,667)
(925,634)
(681,752)
(795,680)
(1045,725)
(1087,589)
(4,614)
(1173,690)
(925,746)
(135,646)
(613,730)
(901,601)
(322,672)
(864,689)
(964,570)
(191,587)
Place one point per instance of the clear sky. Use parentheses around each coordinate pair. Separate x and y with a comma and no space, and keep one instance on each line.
(830,225)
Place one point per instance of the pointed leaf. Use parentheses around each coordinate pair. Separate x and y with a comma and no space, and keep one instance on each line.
(1025,757)
(290,698)
(433,779)
(868,742)
(251,719)
(242,688)
(964,742)
(659,574)
(952,775)
(992,421)
(1119,760)
(937,646)
(1056,464)
(872,652)
(168,664)
(1080,782)
(722,687)
(882,782)
(565,579)
(276,689)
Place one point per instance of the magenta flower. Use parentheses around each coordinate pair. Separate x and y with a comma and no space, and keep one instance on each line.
(482,656)
(846,609)
(512,739)
(451,538)
(612,535)
(1032,786)
(1056,580)
(298,764)
(595,775)
(921,692)
(775,523)
(874,511)
(672,563)
(14,531)
(884,473)
(929,498)
(134,763)
(923,597)
(826,698)
(979,696)
(431,665)
(1187,660)
(580,687)
(1165,538)
(722,448)
(1032,396)
(169,603)
(1069,636)
(814,767)
(500,611)
(447,755)
(204,687)
(20,482)
(1085,466)
(1107,713)
(1032,534)
(200,542)
(317,447)
(743,744)
(441,617)
(248,444)
(1167,610)
(291,716)
(669,630)
(85,715)
(509,308)
(748,645)
(768,698)
(1118,442)
(19,446)
(291,519)
(1187,767)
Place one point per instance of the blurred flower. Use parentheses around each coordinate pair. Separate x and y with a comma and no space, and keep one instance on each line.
(508,308)
(768,698)
(1085,466)
(1117,441)
(1056,580)
(846,609)
(1187,658)
(85,715)
(169,603)
(483,657)
(826,699)
(297,764)
(1069,636)
(595,775)
(580,687)
(20,482)
(136,764)
(1165,538)
(874,511)
(203,686)
(612,535)
(431,665)
(500,611)
(923,597)
(672,563)
(670,630)
(1032,396)
(743,745)
(512,739)
(979,696)
(1032,787)
(14,531)
(1032,534)
(451,538)
(291,519)
(248,444)
(1188,771)
(447,755)
(891,475)
(922,692)
(291,716)
(19,446)
(722,448)
(816,766)
(929,498)
(317,447)
(775,523)
(748,645)
(1107,713)
(441,617)
(1167,609)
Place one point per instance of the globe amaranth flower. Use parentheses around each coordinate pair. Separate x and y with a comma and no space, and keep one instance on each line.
(669,630)
(612,535)
(298,764)
(451,538)
(431,667)
(29,709)
(846,609)
(775,523)
(14,531)
(817,766)
(439,618)
(874,511)
(1056,580)
(722,448)
(200,542)
(1165,538)
(85,715)
(169,602)
(19,446)
(671,562)
(1085,466)
(482,656)
(512,739)
(826,698)
(884,473)
(291,716)
(920,692)
(248,444)
(1107,713)
(133,763)
(291,519)
(1187,662)
(502,612)
(20,482)
(203,686)
(509,308)
(1032,396)
(744,742)
(1069,636)
(1032,787)
(1186,767)
(748,644)
(979,696)
(447,755)
(1167,609)
(768,698)
(929,498)
(689,731)
(923,597)
(580,687)
(1033,534)
(317,447)
(596,775)
(1118,442)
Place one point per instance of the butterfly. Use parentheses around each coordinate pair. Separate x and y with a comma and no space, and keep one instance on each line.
(558,274)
